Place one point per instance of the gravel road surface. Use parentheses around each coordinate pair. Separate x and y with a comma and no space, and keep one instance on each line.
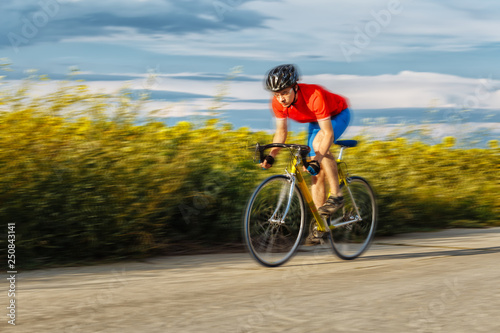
(446,281)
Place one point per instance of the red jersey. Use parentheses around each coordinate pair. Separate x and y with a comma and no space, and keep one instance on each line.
(313,103)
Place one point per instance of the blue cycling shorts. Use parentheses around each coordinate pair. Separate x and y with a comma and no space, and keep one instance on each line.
(339,125)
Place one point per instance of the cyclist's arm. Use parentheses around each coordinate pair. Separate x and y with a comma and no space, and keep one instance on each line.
(279,137)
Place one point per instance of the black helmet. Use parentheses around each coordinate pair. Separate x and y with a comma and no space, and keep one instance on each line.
(281,77)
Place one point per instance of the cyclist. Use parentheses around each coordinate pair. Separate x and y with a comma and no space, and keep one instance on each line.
(328,116)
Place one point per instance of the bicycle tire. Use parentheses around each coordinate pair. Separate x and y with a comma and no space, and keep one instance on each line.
(270,242)
(349,241)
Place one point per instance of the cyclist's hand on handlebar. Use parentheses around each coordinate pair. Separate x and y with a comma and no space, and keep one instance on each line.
(267,162)
(313,167)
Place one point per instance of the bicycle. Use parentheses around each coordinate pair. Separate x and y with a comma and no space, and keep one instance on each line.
(274,220)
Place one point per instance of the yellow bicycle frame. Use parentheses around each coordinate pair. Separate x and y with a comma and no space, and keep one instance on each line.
(304,188)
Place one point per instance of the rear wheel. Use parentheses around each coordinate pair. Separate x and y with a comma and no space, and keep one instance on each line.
(271,237)
(354,228)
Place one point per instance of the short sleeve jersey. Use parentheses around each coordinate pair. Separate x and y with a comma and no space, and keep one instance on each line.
(313,103)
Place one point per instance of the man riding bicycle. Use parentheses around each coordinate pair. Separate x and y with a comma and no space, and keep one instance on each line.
(328,116)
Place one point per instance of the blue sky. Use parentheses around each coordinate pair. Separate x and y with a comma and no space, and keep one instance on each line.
(390,54)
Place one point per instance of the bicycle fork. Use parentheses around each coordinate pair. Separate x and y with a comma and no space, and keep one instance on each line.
(292,177)
(283,195)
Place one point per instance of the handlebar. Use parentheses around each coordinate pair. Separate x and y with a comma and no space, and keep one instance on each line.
(303,149)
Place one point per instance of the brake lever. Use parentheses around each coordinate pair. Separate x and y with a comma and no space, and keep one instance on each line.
(258,154)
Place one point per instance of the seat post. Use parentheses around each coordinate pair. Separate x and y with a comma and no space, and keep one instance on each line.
(341,152)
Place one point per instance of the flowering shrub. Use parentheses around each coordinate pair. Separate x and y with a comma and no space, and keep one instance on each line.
(83,180)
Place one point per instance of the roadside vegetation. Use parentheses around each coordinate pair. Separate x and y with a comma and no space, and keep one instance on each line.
(84,180)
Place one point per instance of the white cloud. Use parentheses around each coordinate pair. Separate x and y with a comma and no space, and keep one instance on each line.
(289,29)
(436,132)
(163,109)
(403,90)
(299,29)
(412,90)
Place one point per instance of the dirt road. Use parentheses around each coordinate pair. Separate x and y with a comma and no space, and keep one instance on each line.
(447,281)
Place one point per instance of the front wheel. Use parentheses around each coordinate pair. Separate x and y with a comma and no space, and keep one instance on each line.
(356,222)
(274,221)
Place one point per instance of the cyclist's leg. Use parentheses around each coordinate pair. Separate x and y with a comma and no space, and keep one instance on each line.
(329,164)
(318,190)
(340,123)
(318,182)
